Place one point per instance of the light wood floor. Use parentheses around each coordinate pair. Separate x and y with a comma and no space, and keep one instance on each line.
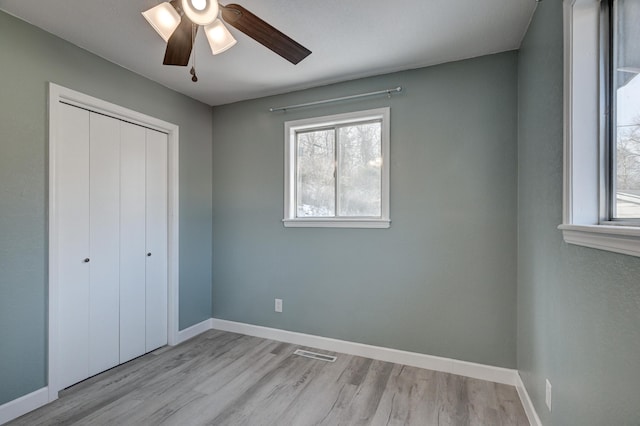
(221,378)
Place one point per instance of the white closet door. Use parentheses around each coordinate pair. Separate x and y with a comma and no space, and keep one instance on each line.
(111,223)
(104,237)
(156,235)
(72,212)
(132,241)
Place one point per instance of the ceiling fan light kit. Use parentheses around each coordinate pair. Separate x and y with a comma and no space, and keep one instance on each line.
(163,18)
(219,37)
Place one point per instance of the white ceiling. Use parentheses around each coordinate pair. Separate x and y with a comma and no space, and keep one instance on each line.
(349,39)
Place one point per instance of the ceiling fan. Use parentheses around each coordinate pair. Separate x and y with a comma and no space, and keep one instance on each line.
(178,22)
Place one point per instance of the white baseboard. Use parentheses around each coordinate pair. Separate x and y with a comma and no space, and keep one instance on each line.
(529,409)
(446,365)
(194,330)
(20,406)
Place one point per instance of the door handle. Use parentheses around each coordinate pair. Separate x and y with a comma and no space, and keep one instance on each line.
(86,260)
(149,254)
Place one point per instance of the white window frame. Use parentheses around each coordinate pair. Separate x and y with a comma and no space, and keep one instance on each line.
(290,129)
(584,200)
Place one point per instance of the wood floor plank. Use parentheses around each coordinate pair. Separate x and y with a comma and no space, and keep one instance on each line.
(232,386)
(367,398)
(482,402)
(315,401)
(270,395)
(406,399)
(509,407)
(221,378)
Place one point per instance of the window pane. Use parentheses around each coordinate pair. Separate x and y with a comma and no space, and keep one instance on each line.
(360,170)
(627,122)
(315,196)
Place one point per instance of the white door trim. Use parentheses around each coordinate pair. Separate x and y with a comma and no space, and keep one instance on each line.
(59,94)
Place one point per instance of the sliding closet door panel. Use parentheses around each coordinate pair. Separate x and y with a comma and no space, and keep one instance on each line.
(132,242)
(156,224)
(72,213)
(104,235)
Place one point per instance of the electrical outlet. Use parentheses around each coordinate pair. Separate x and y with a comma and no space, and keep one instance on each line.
(278,305)
(547,396)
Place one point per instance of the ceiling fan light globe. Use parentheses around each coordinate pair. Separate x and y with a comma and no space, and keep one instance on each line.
(219,37)
(201,12)
(163,18)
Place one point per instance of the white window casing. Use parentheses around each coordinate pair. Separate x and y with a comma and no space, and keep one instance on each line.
(291,218)
(584,203)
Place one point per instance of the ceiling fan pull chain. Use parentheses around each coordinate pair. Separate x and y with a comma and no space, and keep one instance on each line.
(194,77)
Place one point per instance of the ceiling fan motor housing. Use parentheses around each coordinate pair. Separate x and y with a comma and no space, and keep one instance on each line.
(200,12)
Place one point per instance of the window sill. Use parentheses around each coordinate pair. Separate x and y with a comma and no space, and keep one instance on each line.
(337,223)
(618,239)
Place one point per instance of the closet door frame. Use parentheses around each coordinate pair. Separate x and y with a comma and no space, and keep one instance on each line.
(57,95)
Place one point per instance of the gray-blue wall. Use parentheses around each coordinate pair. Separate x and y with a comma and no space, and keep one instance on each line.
(31,58)
(441,280)
(578,308)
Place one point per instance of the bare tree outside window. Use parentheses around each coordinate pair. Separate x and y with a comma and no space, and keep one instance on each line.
(315,171)
(628,158)
(339,171)
(626,124)
(360,170)
(628,171)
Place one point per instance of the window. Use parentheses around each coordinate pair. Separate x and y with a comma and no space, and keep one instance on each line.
(337,171)
(600,166)
(621,84)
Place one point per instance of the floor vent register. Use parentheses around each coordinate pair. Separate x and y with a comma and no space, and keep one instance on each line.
(314,355)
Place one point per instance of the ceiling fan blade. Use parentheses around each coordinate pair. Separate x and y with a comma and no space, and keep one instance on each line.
(180,43)
(245,21)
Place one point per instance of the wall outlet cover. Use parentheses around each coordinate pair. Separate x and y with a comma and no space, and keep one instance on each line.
(278,305)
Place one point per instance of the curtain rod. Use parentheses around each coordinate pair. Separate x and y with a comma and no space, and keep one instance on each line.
(387,92)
